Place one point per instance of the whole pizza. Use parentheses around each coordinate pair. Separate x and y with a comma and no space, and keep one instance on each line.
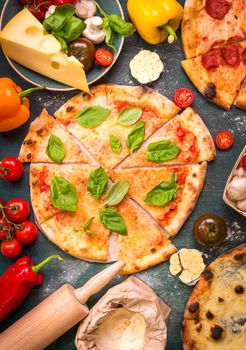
(119,141)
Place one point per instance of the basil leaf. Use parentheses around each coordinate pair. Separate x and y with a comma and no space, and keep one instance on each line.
(164,193)
(120,26)
(72,29)
(87,230)
(162,151)
(93,116)
(63,194)
(136,137)
(109,38)
(117,192)
(55,149)
(97,183)
(113,221)
(129,115)
(59,18)
(115,144)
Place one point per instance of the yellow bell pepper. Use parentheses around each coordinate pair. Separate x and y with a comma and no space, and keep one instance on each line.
(156,20)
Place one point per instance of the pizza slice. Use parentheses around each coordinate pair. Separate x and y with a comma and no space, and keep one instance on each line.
(47,141)
(145,245)
(240,101)
(219,73)
(107,140)
(168,194)
(209,24)
(185,139)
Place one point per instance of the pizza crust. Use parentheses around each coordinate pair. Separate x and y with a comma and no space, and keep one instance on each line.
(240,101)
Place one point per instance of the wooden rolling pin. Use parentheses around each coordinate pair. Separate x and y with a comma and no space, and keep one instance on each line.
(55,315)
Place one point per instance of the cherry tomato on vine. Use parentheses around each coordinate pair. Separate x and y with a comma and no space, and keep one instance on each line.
(17,210)
(11,248)
(62,2)
(183,97)
(244,162)
(5,228)
(44,4)
(104,57)
(27,233)
(224,139)
(11,169)
(37,11)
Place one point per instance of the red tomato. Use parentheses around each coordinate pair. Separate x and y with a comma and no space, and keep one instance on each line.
(183,97)
(5,228)
(104,57)
(17,210)
(244,162)
(27,233)
(12,248)
(11,169)
(62,2)
(37,11)
(44,4)
(224,139)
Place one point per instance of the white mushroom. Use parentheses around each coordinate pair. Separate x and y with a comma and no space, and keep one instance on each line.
(237,188)
(94,31)
(85,8)
(242,204)
(50,11)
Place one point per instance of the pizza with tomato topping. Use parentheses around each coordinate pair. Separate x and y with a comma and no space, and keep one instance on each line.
(107,141)
(47,141)
(184,139)
(168,194)
(219,73)
(210,24)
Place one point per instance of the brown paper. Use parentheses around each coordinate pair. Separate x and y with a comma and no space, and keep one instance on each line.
(135,296)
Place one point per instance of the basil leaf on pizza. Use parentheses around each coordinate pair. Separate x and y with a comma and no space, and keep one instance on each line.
(55,149)
(93,116)
(63,194)
(136,137)
(117,192)
(87,230)
(115,144)
(163,193)
(162,151)
(97,183)
(113,221)
(129,115)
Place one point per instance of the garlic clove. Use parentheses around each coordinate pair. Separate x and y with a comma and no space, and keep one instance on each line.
(242,205)
(236,189)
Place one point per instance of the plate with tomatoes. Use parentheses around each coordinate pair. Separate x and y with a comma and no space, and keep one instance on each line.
(104,57)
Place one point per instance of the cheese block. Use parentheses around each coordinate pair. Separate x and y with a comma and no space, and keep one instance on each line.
(25,40)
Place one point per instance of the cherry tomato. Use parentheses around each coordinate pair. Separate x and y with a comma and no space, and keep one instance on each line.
(37,11)
(12,248)
(244,162)
(210,230)
(5,228)
(44,4)
(17,210)
(104,57)
(224,139)
(183,97)
(27,233)
(11,169)
(62,2)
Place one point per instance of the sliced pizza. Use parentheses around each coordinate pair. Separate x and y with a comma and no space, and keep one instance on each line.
(184,139)
(47,141)
(209,24)
(145,245)
(169,194)
(240,101)
(219,73)
(107,136)
(215,316)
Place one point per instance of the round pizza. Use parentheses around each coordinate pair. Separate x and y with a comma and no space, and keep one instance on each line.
(214,42)
(116,173)
(215,315)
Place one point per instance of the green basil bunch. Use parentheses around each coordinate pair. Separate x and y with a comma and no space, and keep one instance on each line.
(163,193)
(114,24)
(64,25)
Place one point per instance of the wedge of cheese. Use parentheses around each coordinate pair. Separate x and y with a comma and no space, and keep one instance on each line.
(25,40)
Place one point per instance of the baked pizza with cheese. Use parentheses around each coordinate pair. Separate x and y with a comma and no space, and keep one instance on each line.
(215,316)
(115,173)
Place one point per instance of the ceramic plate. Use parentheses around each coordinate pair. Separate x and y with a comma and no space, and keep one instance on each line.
(12,7)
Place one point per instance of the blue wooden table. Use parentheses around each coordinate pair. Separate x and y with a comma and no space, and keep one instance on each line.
(78,272)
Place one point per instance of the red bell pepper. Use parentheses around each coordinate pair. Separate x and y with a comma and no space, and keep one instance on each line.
(17,282)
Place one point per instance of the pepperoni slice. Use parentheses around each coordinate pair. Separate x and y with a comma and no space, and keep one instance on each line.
(231,54)
(217,8)
(244,56)
(212,59)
